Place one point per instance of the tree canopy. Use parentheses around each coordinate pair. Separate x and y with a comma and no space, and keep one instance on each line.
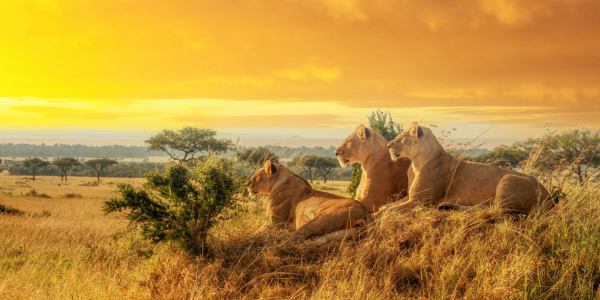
(313,164)
(65,164)
(34,164)
(326,165)
(379,121)
(573,153)
(257,156)
(305,163)
(100,163)
(188,140)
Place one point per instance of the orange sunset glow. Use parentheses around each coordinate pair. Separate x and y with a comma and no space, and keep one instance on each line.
(259,65)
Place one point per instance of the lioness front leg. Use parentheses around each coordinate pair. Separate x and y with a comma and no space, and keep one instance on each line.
(405,206)
(314,227)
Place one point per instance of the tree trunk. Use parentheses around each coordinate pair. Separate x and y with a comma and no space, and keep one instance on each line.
(98,176)
(324,179)
(33,174)
(65,176)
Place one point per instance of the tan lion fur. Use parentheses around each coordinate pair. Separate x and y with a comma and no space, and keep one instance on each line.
(295,204)
(444,180)
(382,177)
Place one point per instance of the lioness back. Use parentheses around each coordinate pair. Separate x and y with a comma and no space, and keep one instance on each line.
(441,178)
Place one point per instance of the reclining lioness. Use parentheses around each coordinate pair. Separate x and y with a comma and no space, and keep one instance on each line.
(443,180)
(382,177)
(294,203)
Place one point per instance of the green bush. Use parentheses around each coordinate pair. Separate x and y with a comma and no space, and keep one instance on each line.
(356,175)
(183,204)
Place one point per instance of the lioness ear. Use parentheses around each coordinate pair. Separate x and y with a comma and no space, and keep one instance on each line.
(269,167)
(416,131)
(363,132)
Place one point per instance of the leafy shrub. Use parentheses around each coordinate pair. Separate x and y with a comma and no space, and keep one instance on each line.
(10,210)
(35,194)
(183,204)
(356,175)
(72,195)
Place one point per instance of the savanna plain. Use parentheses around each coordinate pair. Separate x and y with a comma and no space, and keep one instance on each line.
(60,245)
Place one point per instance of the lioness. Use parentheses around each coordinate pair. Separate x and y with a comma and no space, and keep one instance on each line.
(294,203)
(442,179)
(381,176)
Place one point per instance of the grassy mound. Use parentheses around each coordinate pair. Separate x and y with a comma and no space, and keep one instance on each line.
(421,254)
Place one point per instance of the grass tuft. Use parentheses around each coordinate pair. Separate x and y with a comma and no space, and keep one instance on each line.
(35,194)
(10,210)
(72,195)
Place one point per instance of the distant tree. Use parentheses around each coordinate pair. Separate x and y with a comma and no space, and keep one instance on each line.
(100,163)
(189,140)
(326,165)
(65,164)
(505,156)
(306,163)
(34,164)
(257,156)
(383,123)
(576,150)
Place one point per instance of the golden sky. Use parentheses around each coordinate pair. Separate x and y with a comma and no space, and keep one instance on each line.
(319,64)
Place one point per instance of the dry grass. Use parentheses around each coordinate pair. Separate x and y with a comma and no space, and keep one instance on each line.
(69,252)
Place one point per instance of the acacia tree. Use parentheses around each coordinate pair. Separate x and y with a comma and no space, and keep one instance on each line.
(383,123)
(34,164)
(326,165)
(306,163)
(100,163)
(189,141)
(576,150)
(257,156)
(65,164)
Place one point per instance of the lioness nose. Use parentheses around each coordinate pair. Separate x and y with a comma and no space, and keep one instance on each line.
(248,182)
(389,146)
(337,153)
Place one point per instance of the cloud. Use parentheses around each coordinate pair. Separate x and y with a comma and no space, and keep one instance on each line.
(72,113)
(296,121)
(309,72)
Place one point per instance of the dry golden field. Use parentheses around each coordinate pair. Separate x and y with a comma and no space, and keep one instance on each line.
(63,247)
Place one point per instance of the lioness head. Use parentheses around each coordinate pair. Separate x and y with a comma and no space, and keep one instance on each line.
(261,182)
(411,142)
(354,147)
